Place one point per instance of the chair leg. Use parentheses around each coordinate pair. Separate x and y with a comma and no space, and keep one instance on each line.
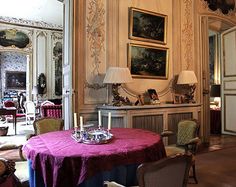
(194,174)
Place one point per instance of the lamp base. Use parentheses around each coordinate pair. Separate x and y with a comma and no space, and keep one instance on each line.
(189,97)
(117,99)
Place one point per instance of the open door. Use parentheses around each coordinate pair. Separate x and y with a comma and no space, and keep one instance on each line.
(228,84)
(67,64)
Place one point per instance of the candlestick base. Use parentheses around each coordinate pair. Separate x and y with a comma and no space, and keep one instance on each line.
(94,136)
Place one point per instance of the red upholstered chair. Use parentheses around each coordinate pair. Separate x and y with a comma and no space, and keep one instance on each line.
(54,111)
(11,104)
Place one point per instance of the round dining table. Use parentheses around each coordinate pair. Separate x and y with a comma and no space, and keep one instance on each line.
(57,160)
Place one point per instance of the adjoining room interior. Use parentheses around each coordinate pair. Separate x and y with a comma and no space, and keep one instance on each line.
(93,88)
(30,57)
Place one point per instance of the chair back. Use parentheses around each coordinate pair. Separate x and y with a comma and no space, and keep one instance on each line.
(167,172)
(45,125)
(47,103)
(54,111)
(29,107)
(187,130)
(9,103)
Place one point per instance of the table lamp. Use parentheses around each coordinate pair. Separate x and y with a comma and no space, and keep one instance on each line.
(189,78)
(117,76)
(35,92)
(215,92)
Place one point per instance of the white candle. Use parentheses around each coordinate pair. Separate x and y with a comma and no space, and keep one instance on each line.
(75,120)
(99,119)
(109,121)
(81,123)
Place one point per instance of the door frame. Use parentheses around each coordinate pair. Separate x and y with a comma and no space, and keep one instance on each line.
(205,80)
(67,89)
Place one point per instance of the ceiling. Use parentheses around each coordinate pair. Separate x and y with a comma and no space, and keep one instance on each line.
(50,11)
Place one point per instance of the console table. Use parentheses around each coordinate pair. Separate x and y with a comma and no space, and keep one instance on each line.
(155,118)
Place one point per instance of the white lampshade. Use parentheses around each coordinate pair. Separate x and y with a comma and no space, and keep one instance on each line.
(187,77)
(117,75)
(35,90)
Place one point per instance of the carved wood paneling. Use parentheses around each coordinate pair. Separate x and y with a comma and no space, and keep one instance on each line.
(187,34)
(149,122)
(115,122)
(94,89)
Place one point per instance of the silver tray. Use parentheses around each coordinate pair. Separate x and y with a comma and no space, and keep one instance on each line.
(93,137)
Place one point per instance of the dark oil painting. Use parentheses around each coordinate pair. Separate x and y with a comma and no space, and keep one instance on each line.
(148,61)
(12,37)
(224,5)
(16,80)
(147,26)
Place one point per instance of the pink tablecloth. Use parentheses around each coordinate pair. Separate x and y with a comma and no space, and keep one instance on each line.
(62,161)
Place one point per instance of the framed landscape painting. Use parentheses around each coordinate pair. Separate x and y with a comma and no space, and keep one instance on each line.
(147,26)
(148,61)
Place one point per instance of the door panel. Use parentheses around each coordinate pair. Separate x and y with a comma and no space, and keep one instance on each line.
(67,56)
(228,91)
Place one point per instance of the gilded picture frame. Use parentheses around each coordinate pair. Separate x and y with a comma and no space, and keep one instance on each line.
(147,26)
(146,61)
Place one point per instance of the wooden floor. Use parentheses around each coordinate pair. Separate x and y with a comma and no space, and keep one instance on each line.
(218,142)
(216,164)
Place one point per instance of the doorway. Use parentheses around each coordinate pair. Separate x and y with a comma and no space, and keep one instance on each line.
(217,25)
(15,78)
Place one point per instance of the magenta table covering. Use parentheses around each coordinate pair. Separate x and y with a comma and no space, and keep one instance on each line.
(62,161)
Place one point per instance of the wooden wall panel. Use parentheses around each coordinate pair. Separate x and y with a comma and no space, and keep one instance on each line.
(115,122)
(149,122)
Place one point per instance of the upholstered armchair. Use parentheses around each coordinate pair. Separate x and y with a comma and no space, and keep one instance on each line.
(187,140)
(54,111)
(45,125)
(48,124)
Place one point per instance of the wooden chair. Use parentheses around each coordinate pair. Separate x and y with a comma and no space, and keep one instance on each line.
(9,104)
(30,111)
(167,172)
(7,169)
(48,124)
(44,125)
(13,173)
(41,126)
(187,141)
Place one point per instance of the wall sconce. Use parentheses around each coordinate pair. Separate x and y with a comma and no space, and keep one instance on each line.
(189,78)
(117,76)
(215,92)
